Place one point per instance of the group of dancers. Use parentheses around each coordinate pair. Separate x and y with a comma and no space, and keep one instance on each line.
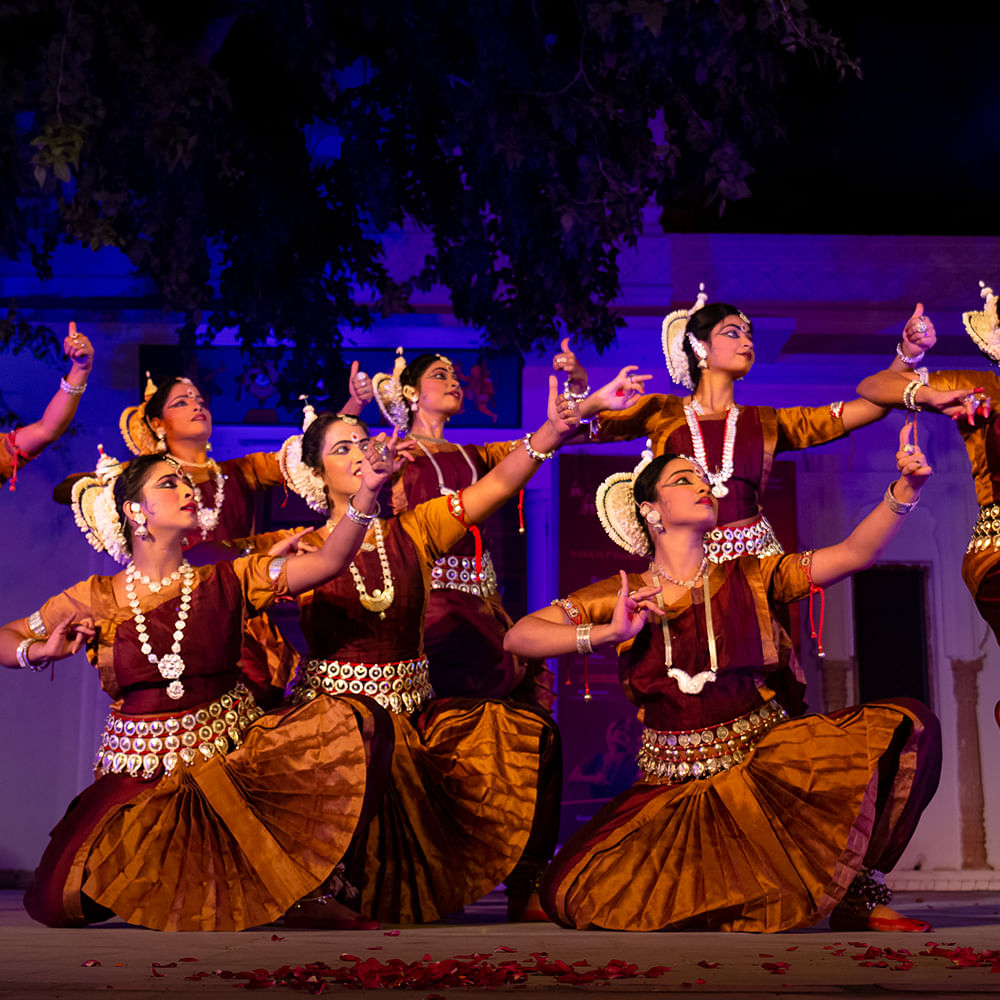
(411,763)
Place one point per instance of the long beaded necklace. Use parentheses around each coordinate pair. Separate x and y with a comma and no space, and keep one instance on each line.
(717,479)
(687,683)
(442,488)
(170,666)
(208,517)
(378,601)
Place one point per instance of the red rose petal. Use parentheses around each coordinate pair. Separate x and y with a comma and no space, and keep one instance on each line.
(90,963)
(187,960)
(708,965)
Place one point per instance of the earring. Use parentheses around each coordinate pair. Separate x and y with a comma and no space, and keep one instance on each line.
(161,440)
(700,351)
(140,529)
(208,446)
(653,519)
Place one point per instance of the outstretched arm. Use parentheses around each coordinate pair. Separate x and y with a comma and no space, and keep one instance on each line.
(549,632)
(865,543)
(62,407)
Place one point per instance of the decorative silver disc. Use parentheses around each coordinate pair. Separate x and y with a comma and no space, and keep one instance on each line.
(720,491)
(175,690)
(170,666)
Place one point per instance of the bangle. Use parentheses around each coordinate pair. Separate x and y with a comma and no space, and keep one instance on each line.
(583,646)
(898,506)
(22,655)
(538,456)
(908,361)
(574,396)
(72,390)
(358,517)
(909,395)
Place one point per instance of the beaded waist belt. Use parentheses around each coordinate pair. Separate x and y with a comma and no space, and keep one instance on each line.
(459,573)
(401,687)
(667,757)
(140,745)
(757,539)
(986,532)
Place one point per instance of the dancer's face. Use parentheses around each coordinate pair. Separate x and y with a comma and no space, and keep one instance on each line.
(439,390)
(185,415)
(684,496)
(343,452)
(730,346)
(167,500)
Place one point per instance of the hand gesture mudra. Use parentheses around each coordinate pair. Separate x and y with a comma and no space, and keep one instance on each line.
(65,639)
(632,609)
(910,460)
(380,457)
(78,349)
(360,385)
(919,334)
(566,361)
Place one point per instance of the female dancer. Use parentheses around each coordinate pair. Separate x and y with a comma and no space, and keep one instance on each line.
(466,621)
(743,819)
(708,349)
(969,397)
(24,443)
(173,420)
(475,783)
(206,814)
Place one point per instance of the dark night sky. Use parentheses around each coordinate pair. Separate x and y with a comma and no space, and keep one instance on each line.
(912,147)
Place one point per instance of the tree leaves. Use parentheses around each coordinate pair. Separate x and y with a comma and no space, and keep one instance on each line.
(525,139)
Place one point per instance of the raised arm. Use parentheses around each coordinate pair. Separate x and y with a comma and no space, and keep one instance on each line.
(304,572)
(62,407)
(359,387)
(503,481)
(918,337)
(865,543)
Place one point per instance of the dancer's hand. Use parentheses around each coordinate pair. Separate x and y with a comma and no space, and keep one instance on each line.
(956,403)
(566,361)
(360,386)
(621,392)
(379,460)
(631,610)
(65,639)
(912,464)
(919,334)
(79,350)
(563,413)
(293,544)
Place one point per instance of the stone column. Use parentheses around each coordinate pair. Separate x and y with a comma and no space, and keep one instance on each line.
(965,674)
(836,674)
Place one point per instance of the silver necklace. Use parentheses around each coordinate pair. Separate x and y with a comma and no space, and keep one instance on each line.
(170,666)
(688,683)
(717,479)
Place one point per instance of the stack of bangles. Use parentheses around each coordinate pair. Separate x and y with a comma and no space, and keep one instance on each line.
(898,506)
(70,389)
(22,655)
(358,517)
(538,456)
(583,644)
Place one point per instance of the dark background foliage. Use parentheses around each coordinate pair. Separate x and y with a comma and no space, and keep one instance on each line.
(245,156)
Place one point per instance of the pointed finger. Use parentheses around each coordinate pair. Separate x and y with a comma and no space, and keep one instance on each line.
(564,346)
(355,365)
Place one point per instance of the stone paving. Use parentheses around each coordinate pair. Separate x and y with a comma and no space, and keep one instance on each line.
(962,957)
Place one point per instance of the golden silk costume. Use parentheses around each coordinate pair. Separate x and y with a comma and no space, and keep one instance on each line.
(467,774)
(744,819)
(207,814)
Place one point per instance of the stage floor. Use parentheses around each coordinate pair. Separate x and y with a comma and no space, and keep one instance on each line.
(115,960)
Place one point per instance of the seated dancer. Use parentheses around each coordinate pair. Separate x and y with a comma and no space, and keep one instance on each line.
(465,620)
(970,397)
(174,420)
(473,798)
(206,814)
(25,443)
(708,349)
(745,819)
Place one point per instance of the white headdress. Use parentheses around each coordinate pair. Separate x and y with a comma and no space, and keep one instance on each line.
(672,333)
(299,477)
(983,326)
(616,507)
(94,509)
(389,394)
